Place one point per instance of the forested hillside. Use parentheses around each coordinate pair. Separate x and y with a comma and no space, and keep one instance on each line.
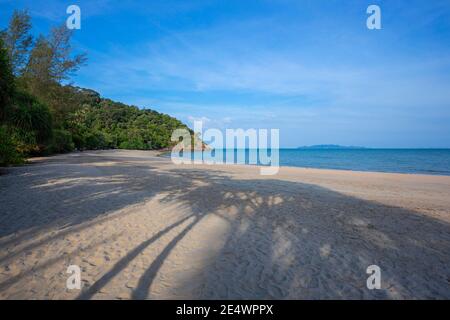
(102,123)
(40,114)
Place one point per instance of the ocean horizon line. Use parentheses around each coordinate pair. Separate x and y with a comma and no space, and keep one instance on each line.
(420,161)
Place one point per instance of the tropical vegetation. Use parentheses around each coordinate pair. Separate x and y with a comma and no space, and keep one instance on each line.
(41,114)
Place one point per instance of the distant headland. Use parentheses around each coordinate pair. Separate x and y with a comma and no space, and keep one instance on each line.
(330,146)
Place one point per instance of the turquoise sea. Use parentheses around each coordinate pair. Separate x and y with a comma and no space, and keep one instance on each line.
(424,161)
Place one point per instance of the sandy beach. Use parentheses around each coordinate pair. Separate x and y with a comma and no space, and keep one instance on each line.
(141,227)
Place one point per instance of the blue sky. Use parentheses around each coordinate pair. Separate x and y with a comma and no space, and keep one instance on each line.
(310,68)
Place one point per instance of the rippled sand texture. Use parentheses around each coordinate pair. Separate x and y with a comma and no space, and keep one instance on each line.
(140,227)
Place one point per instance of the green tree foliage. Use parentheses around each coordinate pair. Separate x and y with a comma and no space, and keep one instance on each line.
(62,142)
(6,81)
(29,124)
(8,149)
(18,40)
(107,124)
(30,115)
(52,61)
(40,115)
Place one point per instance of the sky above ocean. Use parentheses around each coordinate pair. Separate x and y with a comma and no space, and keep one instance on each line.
(310,68)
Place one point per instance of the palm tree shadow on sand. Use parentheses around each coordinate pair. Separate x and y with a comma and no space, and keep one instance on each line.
(294,240)
(289,240)
(284,240)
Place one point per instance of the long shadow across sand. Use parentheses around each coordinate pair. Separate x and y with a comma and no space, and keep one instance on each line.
(287,240)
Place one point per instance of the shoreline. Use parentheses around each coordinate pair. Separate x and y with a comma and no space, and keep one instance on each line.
(163,154)
(378,186)
(141,227)
(166,154)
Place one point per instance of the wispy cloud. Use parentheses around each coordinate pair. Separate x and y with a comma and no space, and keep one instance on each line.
(309,67)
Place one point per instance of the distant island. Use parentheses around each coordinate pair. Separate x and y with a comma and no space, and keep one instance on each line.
(330,146)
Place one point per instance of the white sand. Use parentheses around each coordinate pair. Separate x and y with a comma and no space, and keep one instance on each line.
(141,227)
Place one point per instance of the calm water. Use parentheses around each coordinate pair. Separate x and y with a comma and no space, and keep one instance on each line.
(425,161)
